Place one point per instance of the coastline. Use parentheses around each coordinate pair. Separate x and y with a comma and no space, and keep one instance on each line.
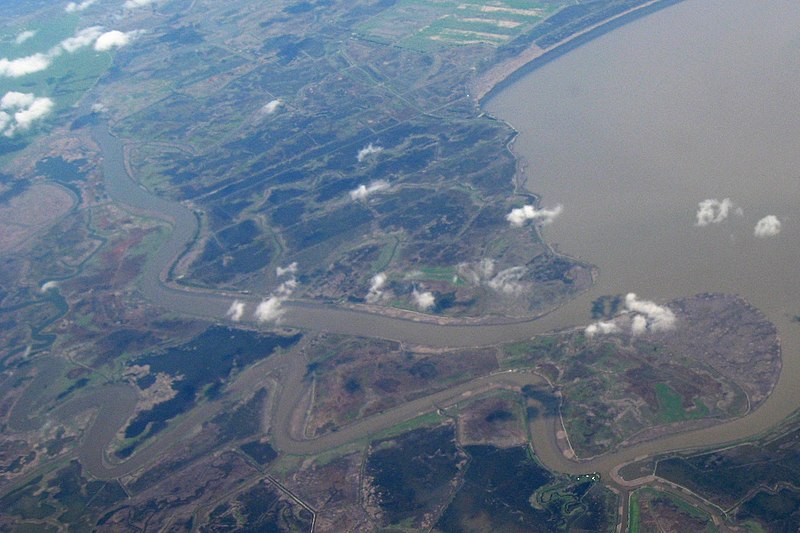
(503,74)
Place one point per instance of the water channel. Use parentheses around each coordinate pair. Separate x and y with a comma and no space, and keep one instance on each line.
(629,133)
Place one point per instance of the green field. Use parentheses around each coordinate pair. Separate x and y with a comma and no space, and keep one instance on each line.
(671,408)
(430,24)
(68,76)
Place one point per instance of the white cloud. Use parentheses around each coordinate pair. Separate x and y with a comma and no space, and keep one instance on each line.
(15,68)
(363,191)
(114,39)
(769,226)
(236,311)
(81,39)
(377,283)
(475,273)
(18,111)
(133,4)
(486,268)
(638,325)
(649,315)
(272,106)
(601,328)
(367,151)
(52,284)
(423,300)
(40,108)
(15,100)
(24,36)
(271,309)
(99,108)
(74,7)
(507,281)
(518,216)
(289,269)
(483,272)
(286,288)
(713,211)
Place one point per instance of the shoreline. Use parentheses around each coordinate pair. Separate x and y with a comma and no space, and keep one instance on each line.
(506,73)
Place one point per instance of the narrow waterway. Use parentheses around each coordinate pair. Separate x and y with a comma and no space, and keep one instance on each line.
(629,133)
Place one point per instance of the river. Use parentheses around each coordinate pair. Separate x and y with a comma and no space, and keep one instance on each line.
(628,132)
(631,131)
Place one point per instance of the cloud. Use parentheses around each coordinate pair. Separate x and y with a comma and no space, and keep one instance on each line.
(272,106)
(15,68)
(52,284)
(649,315)
(377,283)
(99,108)
(475,273)
(286,288)
(367,151)
(769,226)
(713,211)
(363,191)
(423,300)
(601,328)
(289,269)
(133,4)
(18,111)
(507,281)
(40,108)
(638,325)
(518,216)
(271,309)
(236,311)
(24,36)
(81,39)
(114,39)
(74,7)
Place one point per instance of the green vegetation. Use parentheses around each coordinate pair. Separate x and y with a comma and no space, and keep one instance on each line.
(634,513)
(65,496)
(69,75)
(743,479)
(671,408)
(446,23)
(508,490)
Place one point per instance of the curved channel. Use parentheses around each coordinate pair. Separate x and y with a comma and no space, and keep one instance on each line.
(608,223)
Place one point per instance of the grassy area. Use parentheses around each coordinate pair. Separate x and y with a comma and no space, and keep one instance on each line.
(525,353)
(670,405)
(438,23)
(386,256)
(69,75)
(434,274)
(634,514)
(425,420)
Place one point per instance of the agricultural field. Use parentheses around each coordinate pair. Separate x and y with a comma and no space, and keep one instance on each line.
(436,23)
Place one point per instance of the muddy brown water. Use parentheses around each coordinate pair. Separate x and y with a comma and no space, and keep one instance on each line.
(629,132)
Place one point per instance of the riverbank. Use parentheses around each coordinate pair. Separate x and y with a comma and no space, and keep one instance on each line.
(500,76)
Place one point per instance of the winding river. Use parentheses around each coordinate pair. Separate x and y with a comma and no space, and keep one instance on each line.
(628,132)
